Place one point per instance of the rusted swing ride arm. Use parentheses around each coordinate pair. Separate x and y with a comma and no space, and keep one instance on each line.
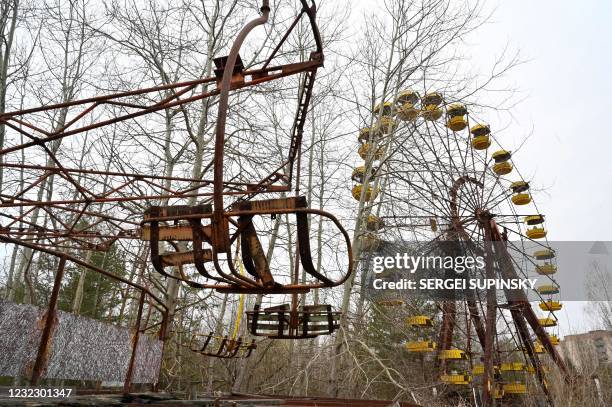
(209,229)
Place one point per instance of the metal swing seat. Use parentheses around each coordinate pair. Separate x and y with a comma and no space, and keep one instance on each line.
(283,322)
(221,346)
(175,224)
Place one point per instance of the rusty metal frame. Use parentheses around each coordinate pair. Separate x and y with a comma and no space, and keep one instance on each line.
(234,281)
(288,322)
(522,314)
(103,228)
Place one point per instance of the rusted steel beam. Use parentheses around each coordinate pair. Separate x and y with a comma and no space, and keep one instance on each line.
(525,338)
(111,219)
(119,174)
(6,239)
(105,98)
(477,321)
(284,71)
(521,301)
(220,238)
(133,198)
(127,384)
(49,321)
(488,382)
(63,233)
(447,328)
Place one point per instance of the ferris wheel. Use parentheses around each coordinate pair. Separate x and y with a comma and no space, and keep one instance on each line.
(434,172)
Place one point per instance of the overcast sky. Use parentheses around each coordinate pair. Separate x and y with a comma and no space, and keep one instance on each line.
(567,85)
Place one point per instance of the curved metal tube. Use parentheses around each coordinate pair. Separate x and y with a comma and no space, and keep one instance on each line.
(311,12)
(347,239)
(220,238)
(220,127)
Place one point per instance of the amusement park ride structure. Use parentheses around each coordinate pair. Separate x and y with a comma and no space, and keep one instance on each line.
(464,198)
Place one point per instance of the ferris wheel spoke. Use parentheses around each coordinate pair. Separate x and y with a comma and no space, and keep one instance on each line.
(446,144)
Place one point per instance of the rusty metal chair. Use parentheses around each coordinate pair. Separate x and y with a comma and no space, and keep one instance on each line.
(176,224)
(287,322)
(221,346)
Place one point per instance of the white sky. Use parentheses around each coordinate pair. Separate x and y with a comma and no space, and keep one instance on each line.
(567,88)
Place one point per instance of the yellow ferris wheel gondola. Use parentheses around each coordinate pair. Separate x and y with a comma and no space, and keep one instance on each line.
(456,113)
(547,322)
(358,174)
(431,106)
(368,149)
(384,109)
(390,302)
(519,186)
(550,306)
(478,369)
(545,254)
(456,378)
(502,166)
(374,223)
(421,346)
(406,109)
(370,193)
(386,125)
(546,269)
(512,367)
(422,321)
(532,220)
(521,199)
(515,388)
(537,348)
(536,233)
(521,196)
(548,289)
(432,98)
(407,112)
(407,96)
(452,354)
(480,136)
